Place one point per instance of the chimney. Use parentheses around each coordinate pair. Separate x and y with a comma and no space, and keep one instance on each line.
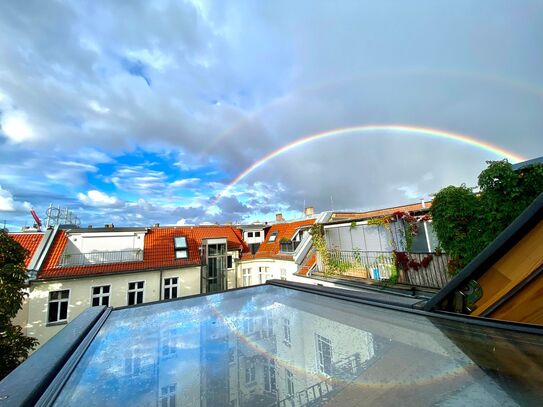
(156,225)
(109,225)
(89,227)
(279,217)
(309,211)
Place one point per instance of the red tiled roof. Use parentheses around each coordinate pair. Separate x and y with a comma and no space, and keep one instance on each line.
(306,267)
(158,251)
(29,241)
(284,230)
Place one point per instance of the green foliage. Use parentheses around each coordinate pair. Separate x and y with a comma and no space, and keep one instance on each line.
(14,346)
(317,233)
(466,222)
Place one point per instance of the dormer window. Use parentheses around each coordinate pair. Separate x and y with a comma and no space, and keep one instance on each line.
(257,234)
(249,234)
(180,246)
(272,237)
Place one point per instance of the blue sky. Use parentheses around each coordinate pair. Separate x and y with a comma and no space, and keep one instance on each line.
(141,113)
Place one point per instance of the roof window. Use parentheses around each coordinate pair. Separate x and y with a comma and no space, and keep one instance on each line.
(181,248)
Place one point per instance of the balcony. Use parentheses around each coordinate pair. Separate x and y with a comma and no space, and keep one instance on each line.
(416,269)
(289,247)
(94,258)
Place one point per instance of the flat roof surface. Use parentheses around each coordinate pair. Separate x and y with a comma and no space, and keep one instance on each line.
(270,345)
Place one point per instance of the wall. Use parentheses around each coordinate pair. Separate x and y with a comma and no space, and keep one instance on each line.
(275,266)
(104,241)
(80,294)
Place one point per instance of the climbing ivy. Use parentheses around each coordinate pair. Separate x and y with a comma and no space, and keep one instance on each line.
(466,221)
(317,233)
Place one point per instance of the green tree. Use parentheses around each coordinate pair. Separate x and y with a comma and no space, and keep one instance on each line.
(14,345)
(466,222)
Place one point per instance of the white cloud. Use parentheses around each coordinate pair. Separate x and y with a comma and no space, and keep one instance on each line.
(94,105)
(184,182)
(15,126)
(98,198)
(410,191)
(9,204)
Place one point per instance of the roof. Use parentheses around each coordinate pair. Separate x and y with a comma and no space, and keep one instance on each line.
(525,222)
(158,252)
(30,241)
(338,217)
(523,164)
(284,230)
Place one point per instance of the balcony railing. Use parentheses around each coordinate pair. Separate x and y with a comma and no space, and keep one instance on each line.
(92,258)
(289,247)
(383,266)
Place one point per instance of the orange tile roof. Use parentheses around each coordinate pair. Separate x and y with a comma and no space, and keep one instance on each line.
(158,252)
(30,241)
(310,263)
(284,230)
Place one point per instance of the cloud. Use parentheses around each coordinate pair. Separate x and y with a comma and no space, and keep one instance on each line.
(9,204)
(181,183)
(97,198)
(15,125)
(138,179)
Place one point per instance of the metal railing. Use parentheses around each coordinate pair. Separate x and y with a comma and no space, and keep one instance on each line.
(384,266)
(92,258)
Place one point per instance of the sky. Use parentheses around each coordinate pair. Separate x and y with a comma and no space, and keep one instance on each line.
(144,112)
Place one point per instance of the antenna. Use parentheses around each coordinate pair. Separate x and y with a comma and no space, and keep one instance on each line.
(332,202)
(60,216)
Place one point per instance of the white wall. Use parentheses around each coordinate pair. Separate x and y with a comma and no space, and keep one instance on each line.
(252,240)
(103,241)
(275,266)
(80,294)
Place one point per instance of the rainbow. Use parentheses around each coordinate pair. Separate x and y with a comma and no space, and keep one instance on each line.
(400,129)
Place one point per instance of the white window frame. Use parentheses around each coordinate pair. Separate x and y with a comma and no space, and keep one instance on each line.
(283,274)
(168,395)
(249,326)
(49,301)
(168,343)
(272,237)
(231,256)
(290,382)
(264,272)
(135,291)
(270,376)
(250,371)
(286,332)
(101,295)
(132,362)
(247,277)
(181,252)
(320,353)
(169,287)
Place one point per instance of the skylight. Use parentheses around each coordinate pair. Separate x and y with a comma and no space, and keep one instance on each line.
(180,245)
(200,351)
(272,237)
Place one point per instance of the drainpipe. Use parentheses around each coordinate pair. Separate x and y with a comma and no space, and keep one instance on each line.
(160,287)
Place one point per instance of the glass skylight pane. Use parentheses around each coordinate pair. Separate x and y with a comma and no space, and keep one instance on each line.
(337,352)
(180,242)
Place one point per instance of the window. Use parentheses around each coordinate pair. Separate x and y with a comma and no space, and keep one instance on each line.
(257,234)
(283,274)
(286,331)
(169,345)
(58,306)
(254,247)
(167,395)
(248,326)
(265,274)
(324,354)
(229,262)
(249,234)
(132,363)
(246,277)
(170,288)
(290,382)
(181,249)
(272,237)
(267,327)
(269,376)
(100,295)
(250,371)
(135,292)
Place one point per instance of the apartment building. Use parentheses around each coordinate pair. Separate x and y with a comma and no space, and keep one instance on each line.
(73,269)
